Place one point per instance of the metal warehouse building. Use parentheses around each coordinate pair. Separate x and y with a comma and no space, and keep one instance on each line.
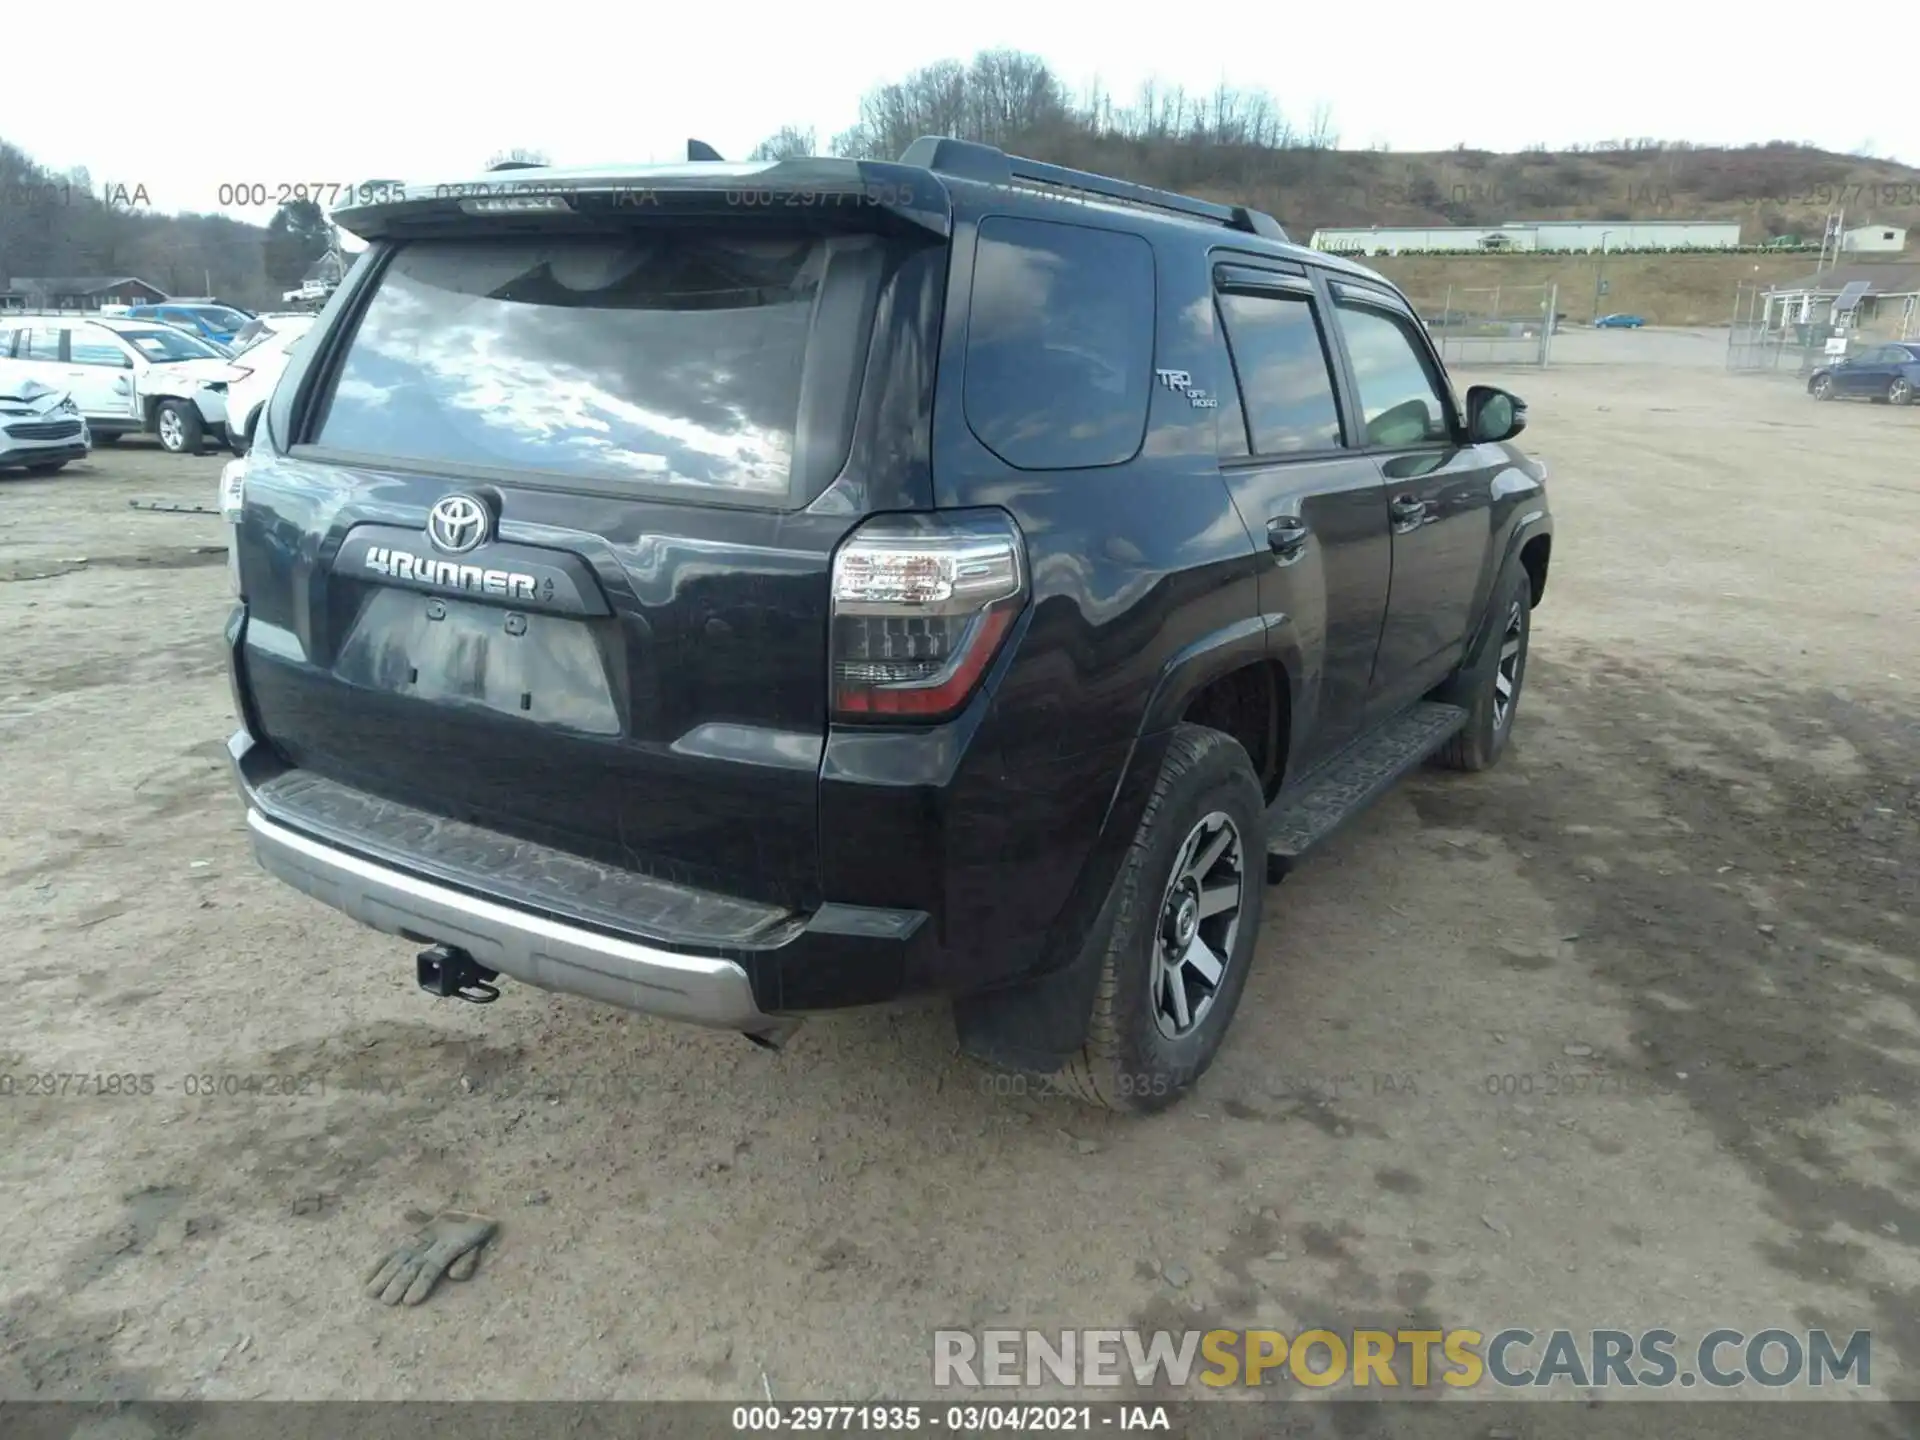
(1552,235)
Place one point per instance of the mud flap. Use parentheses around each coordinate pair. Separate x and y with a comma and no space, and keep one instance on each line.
(1039,1024)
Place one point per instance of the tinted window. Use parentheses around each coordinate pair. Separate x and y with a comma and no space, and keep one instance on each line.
(40,344)
(1231,419)
(1059,344)
(672,358)
(98,350)
(1285,380)
(1398,393)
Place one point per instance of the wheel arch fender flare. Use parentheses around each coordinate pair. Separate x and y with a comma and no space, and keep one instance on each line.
(1526,527)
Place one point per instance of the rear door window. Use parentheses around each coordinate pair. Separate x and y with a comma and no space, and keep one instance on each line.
(1059,343)
(40,344)
(1284,372)
(1230,420)
(702,360)
(98,350)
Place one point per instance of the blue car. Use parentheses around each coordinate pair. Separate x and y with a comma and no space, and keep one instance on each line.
(218,323)
(1618,322)
(1889,373)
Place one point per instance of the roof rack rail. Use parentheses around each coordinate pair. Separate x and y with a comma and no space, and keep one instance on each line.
(969,160)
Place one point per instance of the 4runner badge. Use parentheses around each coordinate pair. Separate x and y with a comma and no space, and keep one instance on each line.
(1181,383)
(424,570)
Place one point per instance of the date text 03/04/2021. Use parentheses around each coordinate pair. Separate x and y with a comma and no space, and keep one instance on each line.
(135,1085)
(959,1419)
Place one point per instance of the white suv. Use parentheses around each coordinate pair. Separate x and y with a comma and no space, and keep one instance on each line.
(125,375)
(256,370)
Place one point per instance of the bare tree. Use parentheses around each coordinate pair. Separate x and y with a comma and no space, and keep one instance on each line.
(1320,132)
(789,142)
(1009,94)
(518,157)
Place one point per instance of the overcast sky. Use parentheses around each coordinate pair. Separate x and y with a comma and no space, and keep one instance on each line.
(430,94)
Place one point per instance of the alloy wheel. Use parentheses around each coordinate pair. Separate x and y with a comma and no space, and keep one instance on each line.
(172,436)
(1506,675)
(1198,924)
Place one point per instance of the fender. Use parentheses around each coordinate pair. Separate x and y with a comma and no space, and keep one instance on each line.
(1192,669)
(1533,521)
(1039,1023)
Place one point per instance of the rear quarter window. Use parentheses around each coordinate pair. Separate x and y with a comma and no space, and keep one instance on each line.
(1059,368)
(666,359)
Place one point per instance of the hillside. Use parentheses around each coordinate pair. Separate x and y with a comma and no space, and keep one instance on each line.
(1772,190)
(1664,289)
(1242,146)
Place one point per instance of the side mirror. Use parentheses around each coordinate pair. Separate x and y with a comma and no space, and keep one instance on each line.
(1494,414)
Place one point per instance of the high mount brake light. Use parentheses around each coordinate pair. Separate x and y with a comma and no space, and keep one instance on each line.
(921,605)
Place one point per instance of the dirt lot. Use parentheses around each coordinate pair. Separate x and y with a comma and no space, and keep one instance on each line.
(1694,876)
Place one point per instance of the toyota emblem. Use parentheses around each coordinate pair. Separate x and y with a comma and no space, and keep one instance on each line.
(457,524)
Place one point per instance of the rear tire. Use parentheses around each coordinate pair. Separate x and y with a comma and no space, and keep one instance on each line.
(177,422)
(1899,391)
(1162,1007)
(1490,688)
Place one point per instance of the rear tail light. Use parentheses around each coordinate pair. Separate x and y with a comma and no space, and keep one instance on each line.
(233,499)
(921,605)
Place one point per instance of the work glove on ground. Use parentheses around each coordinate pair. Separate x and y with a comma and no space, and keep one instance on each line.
(449,1244)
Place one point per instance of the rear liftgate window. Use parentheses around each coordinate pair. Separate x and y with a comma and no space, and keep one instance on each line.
(689,360)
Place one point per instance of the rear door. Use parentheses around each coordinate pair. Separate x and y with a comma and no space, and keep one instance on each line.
(1439,491)
(1317,506)
(539,537)
(1875,370)
(100,374)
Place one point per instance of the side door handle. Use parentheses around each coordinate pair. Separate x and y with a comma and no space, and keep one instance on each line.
(1287,537)
(1407,513)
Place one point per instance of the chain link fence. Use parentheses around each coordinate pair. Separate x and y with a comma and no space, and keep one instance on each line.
(1772,333)
(1767,336)
(1504,325)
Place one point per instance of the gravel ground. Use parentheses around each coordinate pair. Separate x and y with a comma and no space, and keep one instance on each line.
(1693,877)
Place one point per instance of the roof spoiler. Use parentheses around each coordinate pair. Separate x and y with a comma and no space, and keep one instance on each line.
(968,160)
(700,150)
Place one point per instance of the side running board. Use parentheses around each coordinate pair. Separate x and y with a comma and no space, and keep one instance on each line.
(1307,813)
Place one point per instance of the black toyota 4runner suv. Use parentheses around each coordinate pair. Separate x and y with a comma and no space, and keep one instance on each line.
(734,591)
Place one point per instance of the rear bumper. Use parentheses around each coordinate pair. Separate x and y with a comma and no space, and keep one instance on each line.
(557,923)
(531,948)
